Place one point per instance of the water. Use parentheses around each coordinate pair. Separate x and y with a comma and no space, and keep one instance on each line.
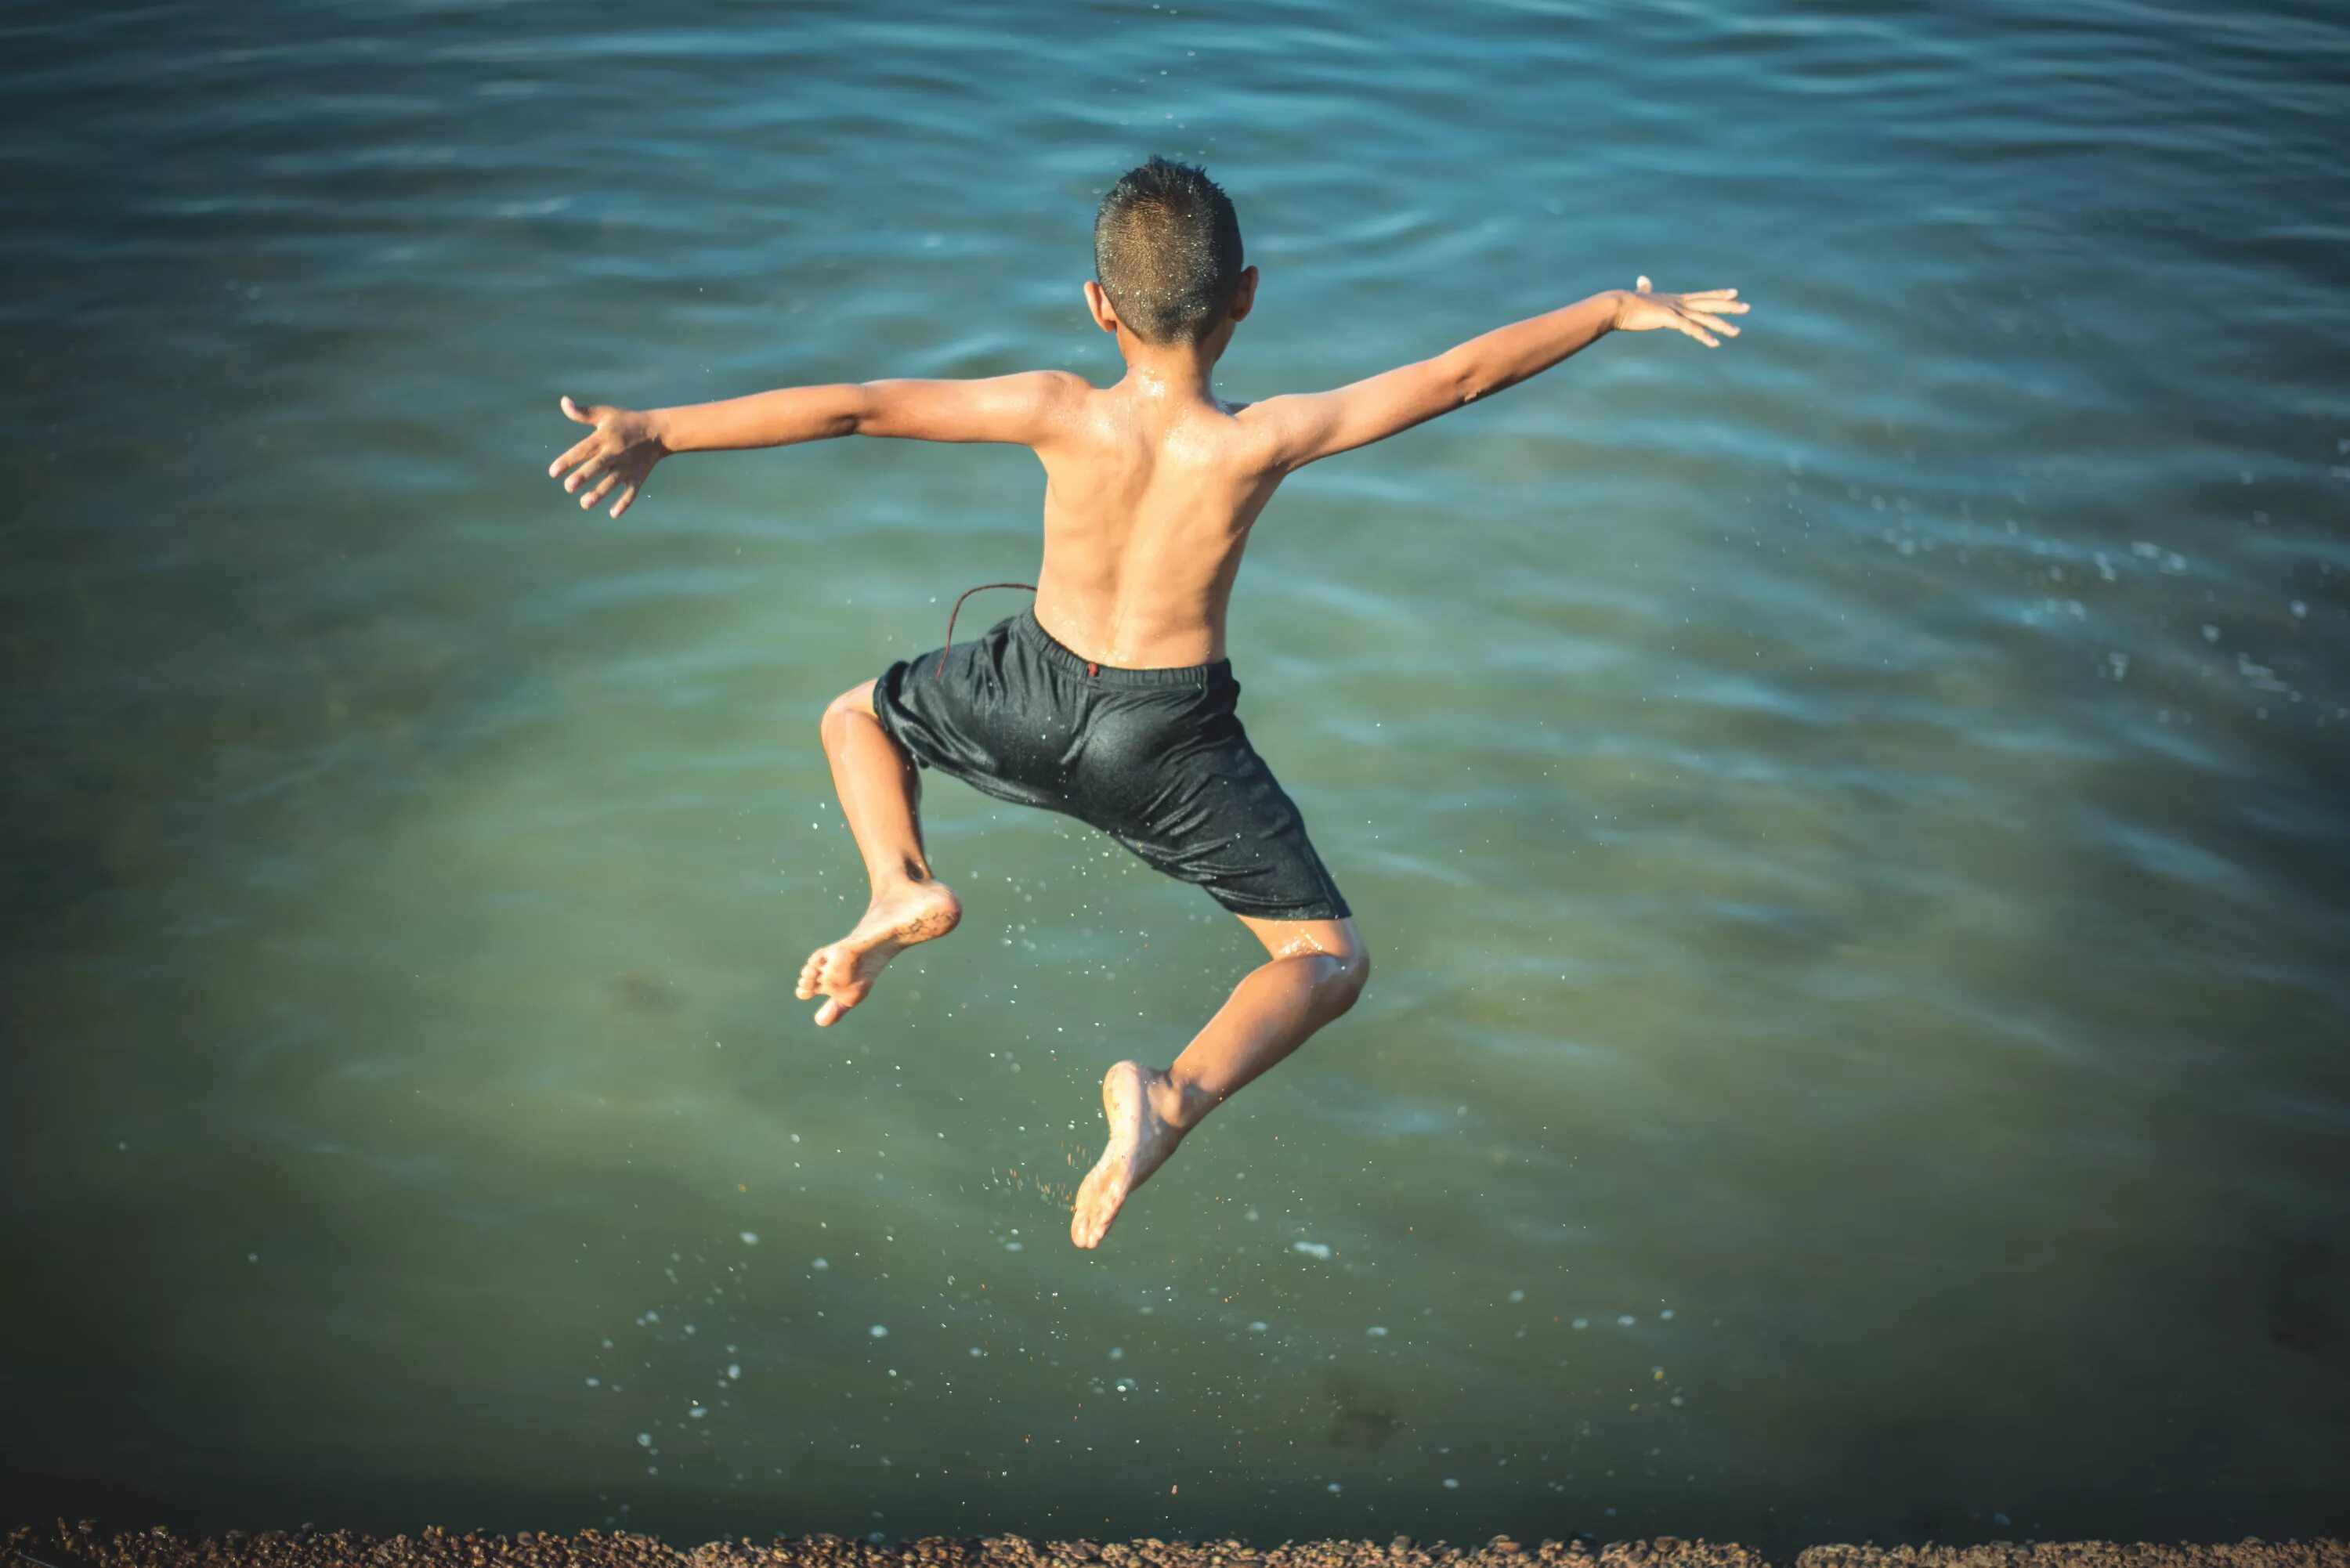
(1850,823)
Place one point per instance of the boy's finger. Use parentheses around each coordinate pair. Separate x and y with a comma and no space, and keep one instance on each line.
(627,497)
(1642,285)
(585,472)
(573,410)
(577,451)
(1711,293)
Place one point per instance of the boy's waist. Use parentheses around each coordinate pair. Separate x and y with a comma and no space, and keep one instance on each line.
(1030,630)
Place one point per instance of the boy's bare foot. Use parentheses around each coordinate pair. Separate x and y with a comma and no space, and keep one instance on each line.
(906,915)
(1141,1140)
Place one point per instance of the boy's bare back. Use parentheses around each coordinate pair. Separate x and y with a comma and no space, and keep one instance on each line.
(1150,493)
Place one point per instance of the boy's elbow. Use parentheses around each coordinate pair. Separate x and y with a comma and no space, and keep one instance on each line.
(1461,378)
(864,411)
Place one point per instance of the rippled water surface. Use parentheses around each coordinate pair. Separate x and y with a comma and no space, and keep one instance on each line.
(1852,824)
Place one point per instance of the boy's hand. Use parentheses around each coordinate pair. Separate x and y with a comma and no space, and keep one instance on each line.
(622,451)
(1698,314)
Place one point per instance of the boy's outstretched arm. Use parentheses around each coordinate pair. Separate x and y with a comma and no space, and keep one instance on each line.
(1311,425)
(1027,408)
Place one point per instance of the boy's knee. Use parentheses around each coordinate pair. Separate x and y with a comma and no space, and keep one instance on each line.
(838,712)
(1353,973)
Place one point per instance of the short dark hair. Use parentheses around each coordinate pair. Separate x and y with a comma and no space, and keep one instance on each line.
(1166,250)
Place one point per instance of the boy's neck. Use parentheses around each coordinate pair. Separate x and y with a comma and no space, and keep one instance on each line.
(1184,372)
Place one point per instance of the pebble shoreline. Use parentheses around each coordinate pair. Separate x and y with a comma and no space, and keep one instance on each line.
(65,1545)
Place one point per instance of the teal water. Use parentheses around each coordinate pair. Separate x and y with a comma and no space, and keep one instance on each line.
(1852,824)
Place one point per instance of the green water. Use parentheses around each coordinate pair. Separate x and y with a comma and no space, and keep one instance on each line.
(1851,824)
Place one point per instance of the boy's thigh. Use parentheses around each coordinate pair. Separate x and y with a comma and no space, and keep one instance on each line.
(1223,823)
(978,713)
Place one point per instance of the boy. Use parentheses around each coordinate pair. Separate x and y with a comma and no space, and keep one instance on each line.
(1110,700)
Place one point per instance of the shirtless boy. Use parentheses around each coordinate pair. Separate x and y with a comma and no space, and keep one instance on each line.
(1110,700)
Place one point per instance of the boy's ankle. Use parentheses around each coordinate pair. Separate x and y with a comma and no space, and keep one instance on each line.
(889,879)
(1181,1105)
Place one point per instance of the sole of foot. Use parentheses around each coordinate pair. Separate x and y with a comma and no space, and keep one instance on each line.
(1139,1142)
(905,917)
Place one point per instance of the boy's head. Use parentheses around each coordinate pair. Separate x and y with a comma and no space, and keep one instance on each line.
(1167,252)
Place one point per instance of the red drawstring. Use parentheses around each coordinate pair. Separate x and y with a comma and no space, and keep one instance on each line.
(1090,668)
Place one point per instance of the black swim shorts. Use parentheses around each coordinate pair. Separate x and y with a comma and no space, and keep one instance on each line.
(1155,758)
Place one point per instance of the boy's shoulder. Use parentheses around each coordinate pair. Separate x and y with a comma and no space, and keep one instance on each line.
(1075,408)
(1057,383)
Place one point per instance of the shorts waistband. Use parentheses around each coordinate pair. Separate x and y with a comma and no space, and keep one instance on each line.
(1069,659)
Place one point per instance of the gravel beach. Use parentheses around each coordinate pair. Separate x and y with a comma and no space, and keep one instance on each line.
(65,1545)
